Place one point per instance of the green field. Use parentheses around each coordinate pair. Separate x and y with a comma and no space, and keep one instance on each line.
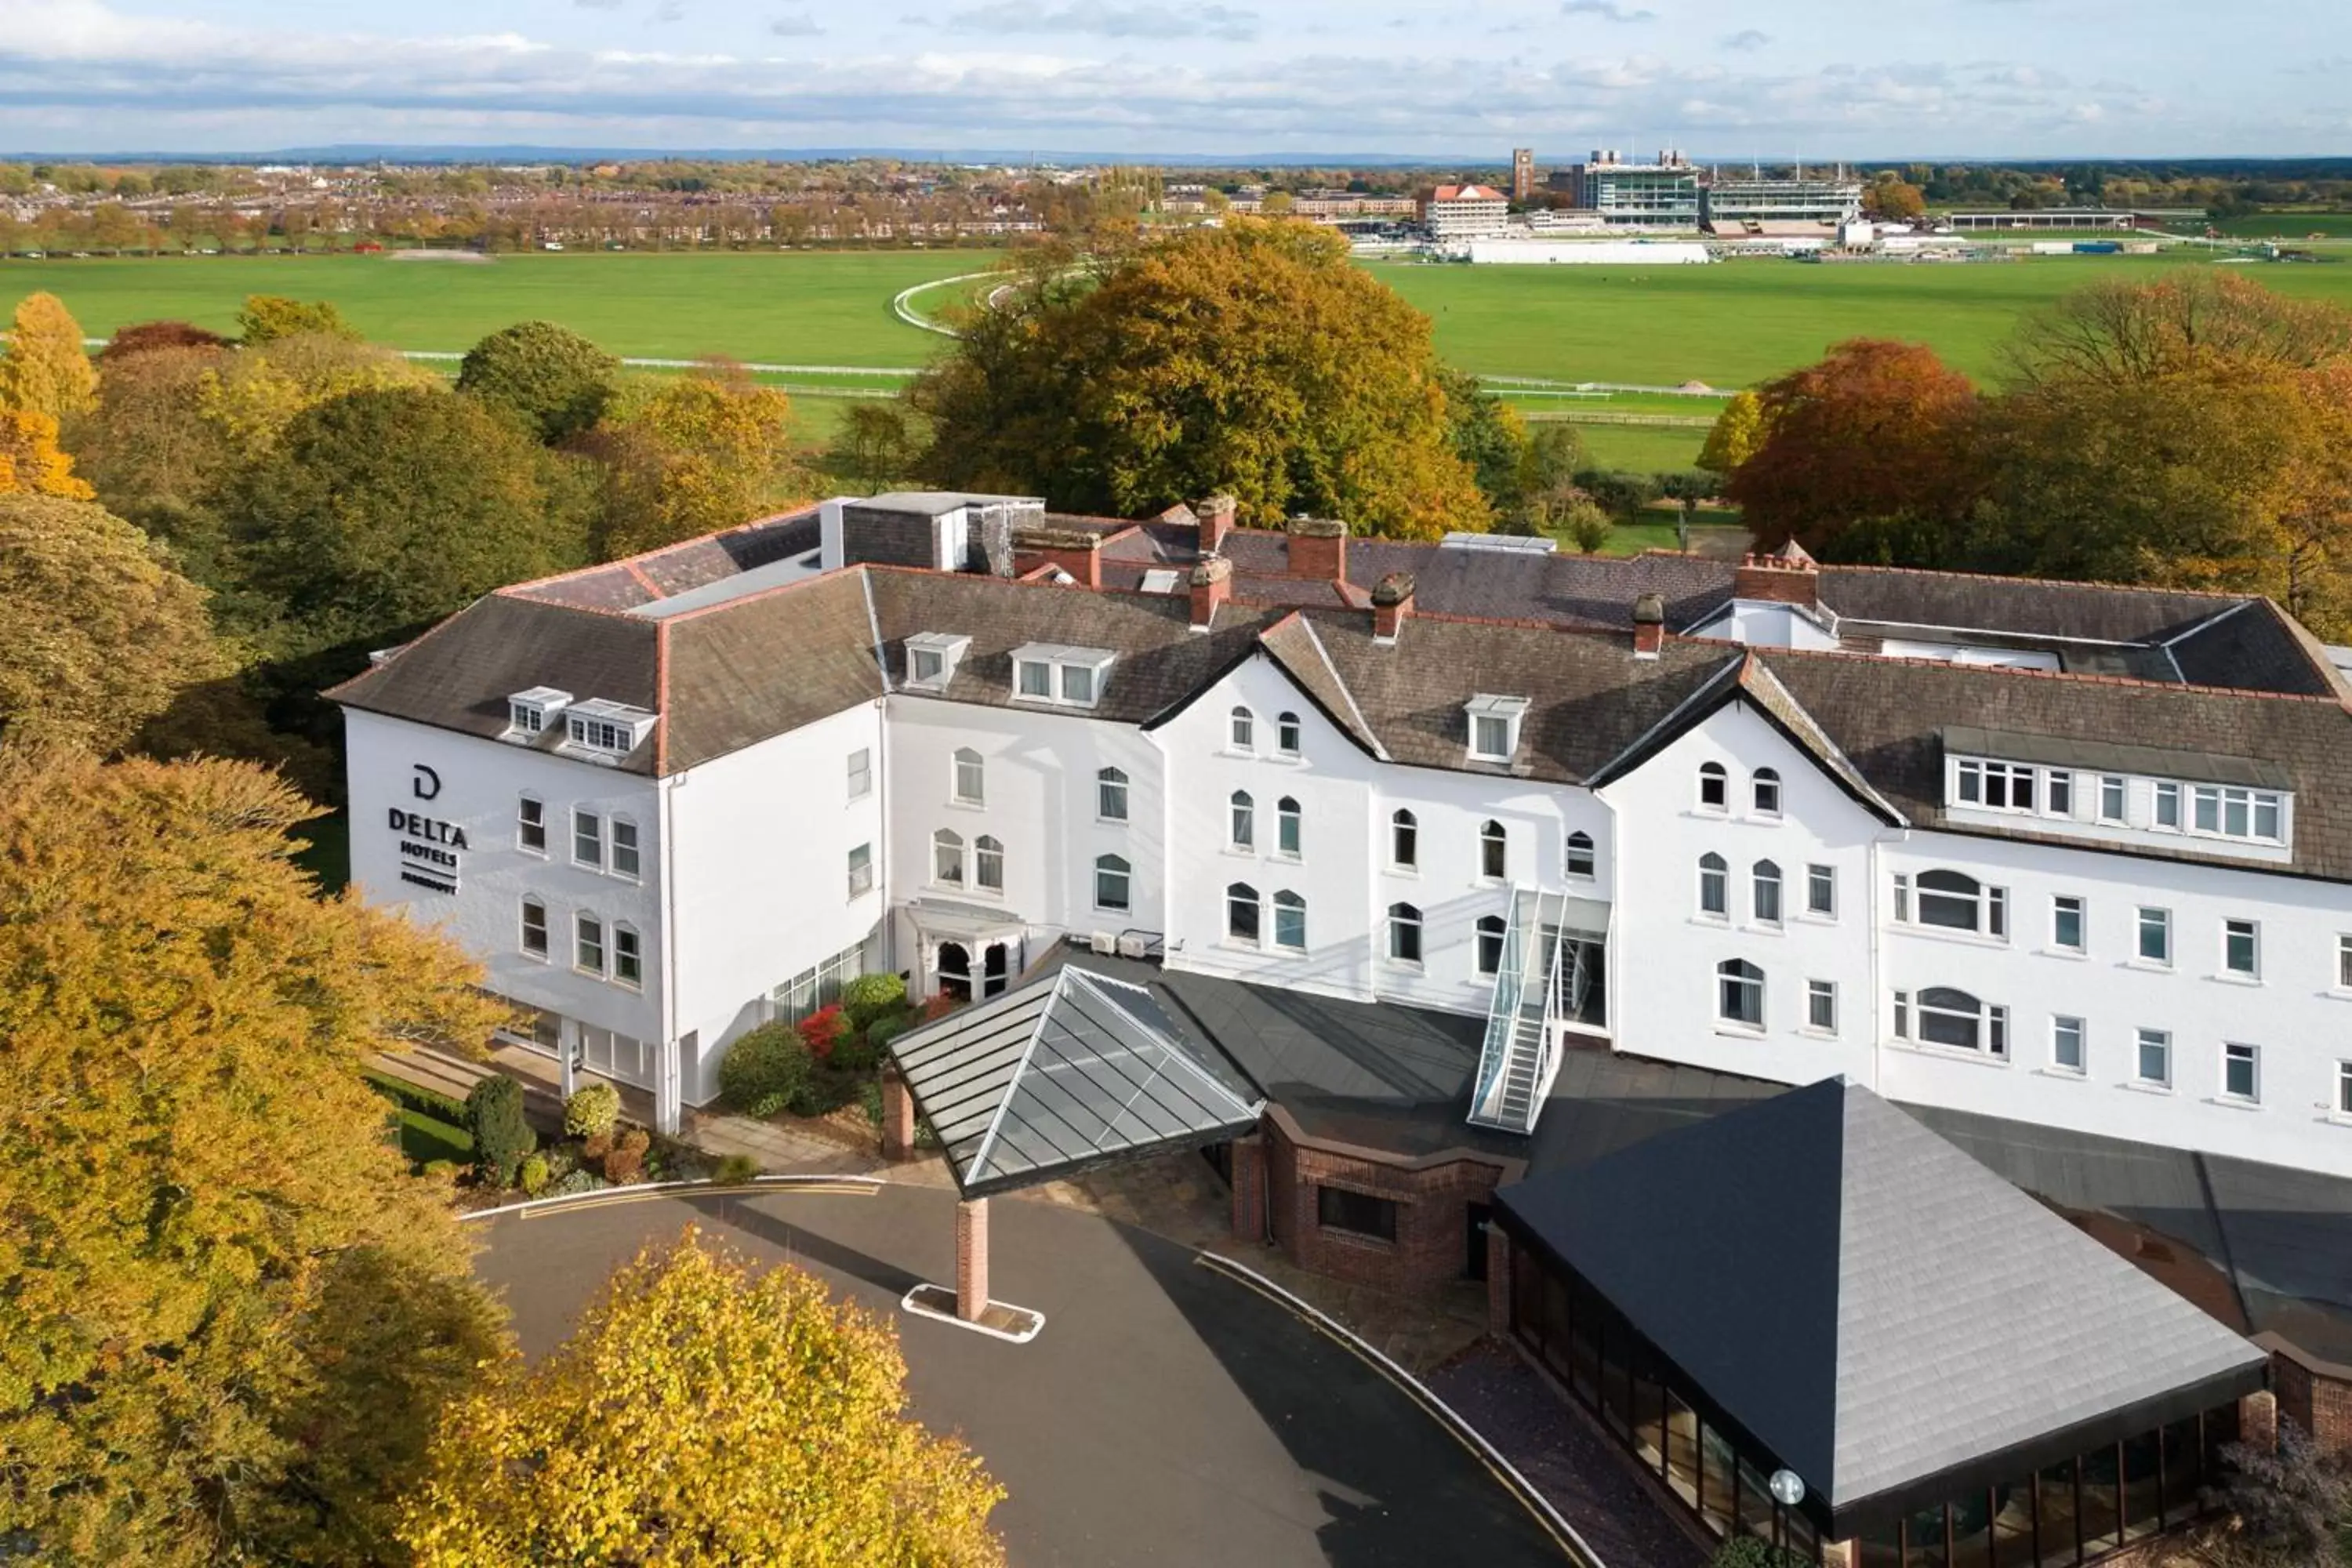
(2289,226)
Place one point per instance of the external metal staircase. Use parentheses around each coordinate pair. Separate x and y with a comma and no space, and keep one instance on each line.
(1516,1064)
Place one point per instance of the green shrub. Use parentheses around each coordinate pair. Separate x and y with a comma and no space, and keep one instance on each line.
(735,1171)
(534,1175)
(826,1091)
(1748,1551)
(501,1137)
(869,1095)
(593,1108)
(626,1158)
(872,996)
(440,1170)
(577,1182)
(882,1031)
(853,1054)
(764,1070)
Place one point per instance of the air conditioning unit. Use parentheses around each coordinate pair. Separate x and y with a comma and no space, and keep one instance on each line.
(1105,944)
(1130,947)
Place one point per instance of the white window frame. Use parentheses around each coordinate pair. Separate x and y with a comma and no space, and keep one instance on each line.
(2253,932)
(971,790)
(1404,833)
(1748,978)
(1495,723)
(2160,1041)
(588,829)
(1714,776)
(1764,791)
(1578,857)
(524,927)
(1494,851)
(2061,1027)
(2232,1052)
(2344,1088)
(1715,875)
(1106,781)
(2142,925)
(944,840)
(1405,928)
(1490,930)
(624,848)
(1820,1006)
(1765,887)
(1989,1022)
(988,864)
(1289,906)
(1241,730)
(583,924)
(1241,822)
(2115,799)
(861,773)
(1289,828)
(2059,911)
(628,956)
(1821,890)
(2344,962)
(1116,866)
(1243,906)
(531,824)
(860,866)
(1288,731)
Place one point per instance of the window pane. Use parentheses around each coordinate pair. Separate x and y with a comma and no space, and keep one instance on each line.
(1036,678)
(1078,683)
(2055,1525)
(1821,889)
(1682,1449)
(587,838)
(1286,732)
(2111,799)
(1716,1470)
(2184,1472)
(2239,1079)
(2066,924)
(1289,921)
(2066,1043)
(1972,1530)
(1241,912)
(2155,935)
(2155,1064)
(2101,1494)
(2238,944)
(2168,806)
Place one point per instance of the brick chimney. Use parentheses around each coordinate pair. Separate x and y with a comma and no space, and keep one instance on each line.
(1215,521)
(1649,625)
(1392,603)
(1075,549)
(1786,576)
(1213,584)
(1318,549)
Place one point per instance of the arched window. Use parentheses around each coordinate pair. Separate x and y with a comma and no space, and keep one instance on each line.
(1405,841)
(1956,901)
(1286,734)
(1286,836)
(1580,853)
(1110,794)
(1111,873)
(1764,893)
(1245,730)
(1714,886)
(1740,993)
(988,863)
(971,777)
(1404,934)
(1494,851)
(1714,786)
(1950,1017)
(1768,792)
(1242,833)
(1290,921)
(1491,930)
(628,956)
(947,858)
(1241,912)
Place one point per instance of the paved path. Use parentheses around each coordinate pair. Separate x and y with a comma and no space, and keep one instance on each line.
(1166,1414)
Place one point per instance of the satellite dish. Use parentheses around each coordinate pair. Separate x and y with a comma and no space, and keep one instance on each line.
(1788,1491)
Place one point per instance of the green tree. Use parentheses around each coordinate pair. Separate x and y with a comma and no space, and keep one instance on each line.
(46,370)
(550,377)
(228,1313)
(269,317)
(691,455)
(1253,358)
(874,445)
(256,393)
(1738,430)
(703,1412)
(1489,435)
(494,1116)
(382,509)
(102,632)
(1554,455)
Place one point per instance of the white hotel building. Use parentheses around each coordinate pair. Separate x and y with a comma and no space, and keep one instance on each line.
(2066,856)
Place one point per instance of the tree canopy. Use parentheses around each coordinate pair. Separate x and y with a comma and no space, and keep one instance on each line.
(46,370)
(102,632)
(267,318)
(550,377)
(1253,359)
(228,1313)
(385,508)
(1737,431)
(688,455)
(31,462)
(147,337)
(702,1413)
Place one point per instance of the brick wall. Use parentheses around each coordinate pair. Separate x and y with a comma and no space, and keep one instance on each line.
(1433,1211)
(2316,1397)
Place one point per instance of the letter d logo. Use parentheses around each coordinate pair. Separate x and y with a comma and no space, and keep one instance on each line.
(426,784)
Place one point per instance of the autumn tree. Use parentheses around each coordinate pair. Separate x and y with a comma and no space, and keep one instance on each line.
(875,445)
(703,1412)
(227,1313)
(1877,429)
(552,378)
(383,509)
(1253,358)
(46,370)
(147,337)
(693,454)
(102,632)
(149,448)
(1737,431)
(1890,200)
(31,462)
(267,318)
(254,394)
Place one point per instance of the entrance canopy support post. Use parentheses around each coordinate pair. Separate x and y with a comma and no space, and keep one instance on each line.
(971,1259)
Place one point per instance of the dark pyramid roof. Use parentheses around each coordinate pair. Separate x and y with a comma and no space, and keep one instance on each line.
(1870,1304)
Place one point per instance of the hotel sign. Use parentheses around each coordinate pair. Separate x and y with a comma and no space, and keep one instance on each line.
(429,847)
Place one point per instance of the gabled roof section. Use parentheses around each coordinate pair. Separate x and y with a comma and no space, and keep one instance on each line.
(1902,1312)
(2257,647)
(1070,1071)
(1298,652)
(740,672)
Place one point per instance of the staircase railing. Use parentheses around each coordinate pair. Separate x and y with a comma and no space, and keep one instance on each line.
(1503,1011)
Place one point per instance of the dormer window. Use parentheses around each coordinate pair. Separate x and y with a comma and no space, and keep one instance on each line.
(529,713)
(604,731)
(1060,676)
(1494,727)
(932,659)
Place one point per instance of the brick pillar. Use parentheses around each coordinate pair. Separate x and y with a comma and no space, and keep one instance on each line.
(2258,1421)
(971,1259)
(898,1118)
(1840,1554)
(1499,1281)
(1249,1188)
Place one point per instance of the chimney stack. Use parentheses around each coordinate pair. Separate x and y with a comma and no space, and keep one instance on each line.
(1213,584)
(1786,576)
(1649,625)
(1216,519)
(1077,551)
(1392,603)
(1318,549)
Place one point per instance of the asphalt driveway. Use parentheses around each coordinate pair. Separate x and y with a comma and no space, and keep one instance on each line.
(1166,1414)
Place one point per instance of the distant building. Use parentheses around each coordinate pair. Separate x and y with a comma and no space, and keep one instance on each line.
(1334,206)
(1663,194)
(1765,206)
(1523,172)
(1458,212)
(2082,218)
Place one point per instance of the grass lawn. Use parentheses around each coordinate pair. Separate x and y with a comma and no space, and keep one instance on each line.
(1645,449)
(429,1125)
(2289,226)
(326,849)
(803,307)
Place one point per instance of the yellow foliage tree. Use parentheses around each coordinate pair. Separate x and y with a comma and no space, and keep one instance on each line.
(256,395)
(228,1314)
(46,370)
(30,460)
(702,1413)
(691,456)
(1737,431)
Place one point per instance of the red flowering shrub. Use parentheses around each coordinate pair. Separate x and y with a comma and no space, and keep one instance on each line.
(821,1029)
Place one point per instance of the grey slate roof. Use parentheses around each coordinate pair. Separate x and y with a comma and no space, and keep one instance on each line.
(1063,1073)
(1876,1306)
(2160,761)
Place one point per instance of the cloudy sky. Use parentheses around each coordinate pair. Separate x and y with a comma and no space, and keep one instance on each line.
(1812,78)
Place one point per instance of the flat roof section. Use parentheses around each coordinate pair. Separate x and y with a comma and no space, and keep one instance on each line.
(1067,1073)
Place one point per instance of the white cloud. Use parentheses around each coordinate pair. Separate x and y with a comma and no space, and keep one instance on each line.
(1095,19)
(1607,10)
